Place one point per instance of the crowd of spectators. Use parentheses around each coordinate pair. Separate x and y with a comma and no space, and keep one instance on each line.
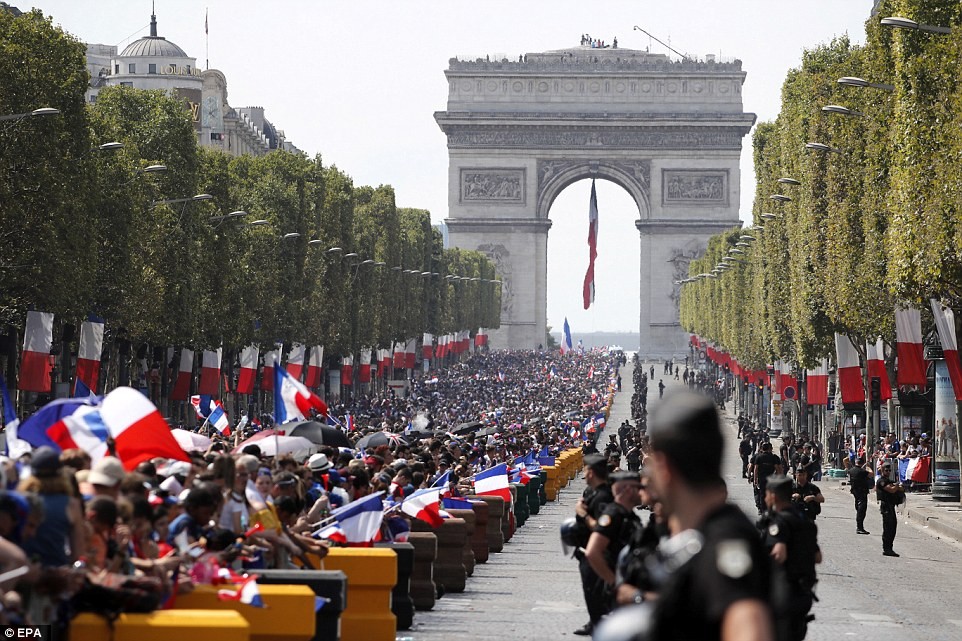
(79,534)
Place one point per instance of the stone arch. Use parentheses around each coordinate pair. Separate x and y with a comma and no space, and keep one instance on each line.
(555,176)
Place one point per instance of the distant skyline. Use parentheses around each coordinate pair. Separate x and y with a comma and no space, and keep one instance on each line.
(359,81)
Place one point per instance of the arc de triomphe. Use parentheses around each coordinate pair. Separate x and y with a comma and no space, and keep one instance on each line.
(670,133)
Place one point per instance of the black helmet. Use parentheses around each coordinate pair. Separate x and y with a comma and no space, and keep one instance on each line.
(573,535)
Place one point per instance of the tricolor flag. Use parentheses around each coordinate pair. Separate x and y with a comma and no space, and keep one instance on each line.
(248,370)
(875,363)
(293,401)
(398,355)
(917,469)
(410,353)
(364,373)
(849,371)
(443,480)
(315,365)
(295,360)
(456,503)
(566,338)
(347,371)
(589,286)
(271,359)
(247,592)
(424,505)
(591,372)
(816,384)
(15,446)
(358,522)
(493,482)
(35,363)
(945,324)
(788,384)
(88,356)
(210,372)
(908,332)
(427,346)
(349,424)
(383,363)
(184,373)
(138,430)
(212,412)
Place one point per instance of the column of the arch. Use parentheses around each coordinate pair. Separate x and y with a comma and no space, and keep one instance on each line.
(644,298)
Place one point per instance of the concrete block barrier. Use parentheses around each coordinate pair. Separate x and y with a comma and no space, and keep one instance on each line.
(329,584)
(496,513)
(470,524)
(163,625)
(371,576)
(479,541)
(401,603)
(423,589)
(289,613)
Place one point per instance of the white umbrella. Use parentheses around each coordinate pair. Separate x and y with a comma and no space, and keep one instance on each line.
(190,441)
(298,446)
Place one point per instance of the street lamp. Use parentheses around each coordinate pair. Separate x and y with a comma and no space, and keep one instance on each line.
(767,216)
(746,237)
(315,242)
(789,181)
(853,81)
(233,214)
(904,23)
(152,169)
(780,198)
(43,111)
(290,235)
(842,111)
(189,199)
(817,146)
(334,250)
(258,223)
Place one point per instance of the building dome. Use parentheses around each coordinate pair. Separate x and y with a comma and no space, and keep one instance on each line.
(153,45)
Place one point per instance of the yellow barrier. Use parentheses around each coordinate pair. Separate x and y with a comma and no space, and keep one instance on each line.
(164,625)
(551,486)
(289,613)
(371,575)
(575,459)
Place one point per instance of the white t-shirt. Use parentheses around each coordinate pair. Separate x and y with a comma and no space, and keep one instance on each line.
(233,506)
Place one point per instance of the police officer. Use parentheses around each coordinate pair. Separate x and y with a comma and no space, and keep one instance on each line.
(745,448)
(806,494)
(792,540)
(764,464)
(859,485)
(887,491)
(718,571)
(632,579)
(615,528)
(588,510)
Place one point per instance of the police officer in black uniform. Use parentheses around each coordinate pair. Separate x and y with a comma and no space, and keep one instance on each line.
(792,540)
(588,510)
(632,578)
(859,485)
(764,464)
(887,491)
(806,494)
(716,573)
(615,528)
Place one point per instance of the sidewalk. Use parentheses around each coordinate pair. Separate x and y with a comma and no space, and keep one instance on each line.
(941,520)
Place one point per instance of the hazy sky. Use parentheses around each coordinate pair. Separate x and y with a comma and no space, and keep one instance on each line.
(358,81)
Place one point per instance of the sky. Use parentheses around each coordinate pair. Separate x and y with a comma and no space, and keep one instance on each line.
(358,82)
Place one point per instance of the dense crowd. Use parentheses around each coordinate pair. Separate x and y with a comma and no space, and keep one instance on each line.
(87,534)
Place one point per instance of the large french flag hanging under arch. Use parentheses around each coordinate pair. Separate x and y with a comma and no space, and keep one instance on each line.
(589,286)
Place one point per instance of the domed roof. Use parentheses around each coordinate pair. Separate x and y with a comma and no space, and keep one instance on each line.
(153,45)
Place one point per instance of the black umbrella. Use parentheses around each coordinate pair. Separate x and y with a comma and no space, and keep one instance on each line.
(379,438)
(318,433)
(491,431)
(466,428)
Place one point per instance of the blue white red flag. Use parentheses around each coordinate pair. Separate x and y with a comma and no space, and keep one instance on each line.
(493,482)
(292,400)
(589,285)
(425,506)
(566,337)
(88,356)
(455,503)
(443,480)
(212,412)
(247,593)
(15,447)
(360,520)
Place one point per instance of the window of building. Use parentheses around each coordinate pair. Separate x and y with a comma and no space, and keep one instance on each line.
(151,68)
(117,68)
(126,84)
(93,97)
(188,69)
(132,68)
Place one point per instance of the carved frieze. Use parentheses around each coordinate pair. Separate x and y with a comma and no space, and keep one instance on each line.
(620,138)
(501,186)
(694,187)
(501,258)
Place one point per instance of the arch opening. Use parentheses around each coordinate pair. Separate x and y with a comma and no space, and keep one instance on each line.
(614,316)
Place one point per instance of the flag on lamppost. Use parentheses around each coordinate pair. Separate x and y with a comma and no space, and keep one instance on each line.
(589,286)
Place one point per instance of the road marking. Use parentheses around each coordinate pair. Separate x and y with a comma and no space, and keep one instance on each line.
(874,620)
(555,606)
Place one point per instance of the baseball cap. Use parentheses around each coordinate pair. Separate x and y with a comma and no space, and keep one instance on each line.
(45,462)
(108,471)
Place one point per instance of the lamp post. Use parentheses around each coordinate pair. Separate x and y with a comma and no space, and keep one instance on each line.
(899,22)
(854,81)
(14,119)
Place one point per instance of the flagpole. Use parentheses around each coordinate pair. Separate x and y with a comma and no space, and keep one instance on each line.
(206,39)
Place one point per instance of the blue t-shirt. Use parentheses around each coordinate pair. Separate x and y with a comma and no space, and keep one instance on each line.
(184,522)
